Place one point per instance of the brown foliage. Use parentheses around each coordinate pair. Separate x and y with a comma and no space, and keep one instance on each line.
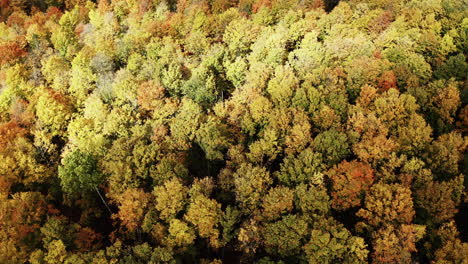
(21,215)
(381,22)
(148,94)
(9,132)
(87,239)
(21,113)
(132,207)
(220,6)
(395,245)
(387,204)
(259,4)
(440,199)
(350,181)
(11,51)
(387,80)
(53,11)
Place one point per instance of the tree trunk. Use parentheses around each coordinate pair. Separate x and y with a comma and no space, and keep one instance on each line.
(97,190)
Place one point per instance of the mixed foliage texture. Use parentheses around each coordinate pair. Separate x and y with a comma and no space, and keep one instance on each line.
(233,131)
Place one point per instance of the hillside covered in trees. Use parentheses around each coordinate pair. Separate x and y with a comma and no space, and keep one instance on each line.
(233,131)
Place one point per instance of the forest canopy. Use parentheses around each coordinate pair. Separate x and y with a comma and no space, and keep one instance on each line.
(233,131)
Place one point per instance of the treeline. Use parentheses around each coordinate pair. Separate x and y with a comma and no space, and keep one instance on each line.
(233,131)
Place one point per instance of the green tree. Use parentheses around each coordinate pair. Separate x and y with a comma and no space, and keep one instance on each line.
(330,242)
(305,168)
(312,201)
(213,137)
(446,153)
(333,145)
(79,173)
(286,236)
(282,86)
(251,184)
(64,38)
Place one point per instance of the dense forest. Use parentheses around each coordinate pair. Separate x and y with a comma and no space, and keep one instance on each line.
(233,131)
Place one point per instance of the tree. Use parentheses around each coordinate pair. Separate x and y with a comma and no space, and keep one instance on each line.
(270,47)
(56,71)
(87,134)
(132,159)
(58,228)
(387,204)
(239,36)
(350,181)
(149,95)
(14,85)
(326,118)
(249,236)
(454,66)
(231,217)
(333,146)
(204,87)
(82,80)
(12,51)
(394,108)
(305,168)
(440,199)
(415,136)
(371,135)
(20,220)
(269,131)
(132,207)
(388,213)
(251,184)
(452,249)
(64,38)
(53,112)
(410,68)
(282,86)
(213,137)
(180,234)
(299,135)
(87,239)
(56,252)
(330,242)
(312,201)
(395,245)
(277,201)
(309,55)
(186,123)
(205,214)
(236,71)
(446,101)
(445,154)
(79,173)
(171,198)
(286,236)
(20,164)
